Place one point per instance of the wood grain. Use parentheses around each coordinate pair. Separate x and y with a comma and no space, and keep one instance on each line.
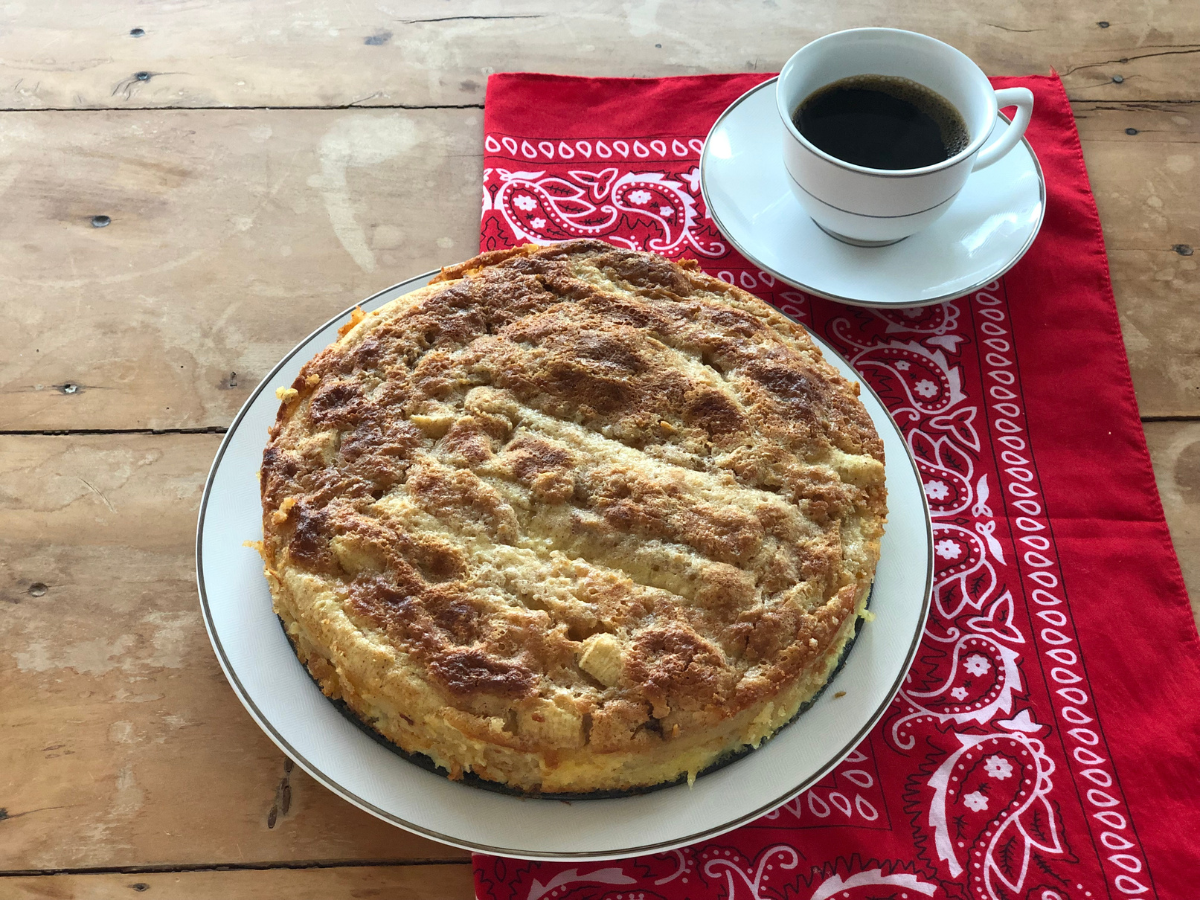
(442,882)
(121,742)
(232,236)
(414,54)
(1175,451)
(1173,122)
(234,233)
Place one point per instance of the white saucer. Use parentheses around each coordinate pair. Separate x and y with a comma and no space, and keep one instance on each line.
(278,692)
(988,227)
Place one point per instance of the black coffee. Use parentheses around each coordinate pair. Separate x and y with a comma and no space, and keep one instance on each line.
(882,122)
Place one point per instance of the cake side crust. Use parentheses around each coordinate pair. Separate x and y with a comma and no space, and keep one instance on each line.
(572,518)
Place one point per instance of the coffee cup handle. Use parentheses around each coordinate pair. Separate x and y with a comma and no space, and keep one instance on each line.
(1022,99)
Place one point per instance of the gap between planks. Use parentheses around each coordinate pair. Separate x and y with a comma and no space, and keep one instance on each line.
(75,432)
(357,104)
(364,104)
(168,868)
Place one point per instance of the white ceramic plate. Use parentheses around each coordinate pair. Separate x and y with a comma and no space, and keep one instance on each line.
(277,691)
(983,234)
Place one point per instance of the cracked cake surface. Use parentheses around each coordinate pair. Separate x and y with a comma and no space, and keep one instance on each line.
(572,518)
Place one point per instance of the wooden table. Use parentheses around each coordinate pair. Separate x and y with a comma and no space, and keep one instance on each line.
(263,165)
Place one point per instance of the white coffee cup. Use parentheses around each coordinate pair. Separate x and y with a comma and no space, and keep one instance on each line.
(874,207)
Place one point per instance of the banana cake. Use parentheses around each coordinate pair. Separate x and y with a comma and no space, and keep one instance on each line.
(572,518)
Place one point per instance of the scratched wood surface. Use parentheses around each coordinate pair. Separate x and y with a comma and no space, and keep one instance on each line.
(1175,451)
(421,53)
(247,203)
(402,882)
(232,235)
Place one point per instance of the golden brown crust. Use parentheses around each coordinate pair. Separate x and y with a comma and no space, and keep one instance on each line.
(571,505)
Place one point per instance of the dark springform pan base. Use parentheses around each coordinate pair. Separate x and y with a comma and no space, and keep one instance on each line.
(472,780)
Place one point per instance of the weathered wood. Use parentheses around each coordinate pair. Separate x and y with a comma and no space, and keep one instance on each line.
(1156,280)
(1175,450)
(234,233)
(444,882)
(1146,191)
(121,742)
(82,55)
(1148,195)
(1158,122)
(1158,301)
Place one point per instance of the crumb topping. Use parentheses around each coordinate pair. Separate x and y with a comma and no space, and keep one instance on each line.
(583,484)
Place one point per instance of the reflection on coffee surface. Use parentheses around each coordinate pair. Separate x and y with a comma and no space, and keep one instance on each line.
(882,122)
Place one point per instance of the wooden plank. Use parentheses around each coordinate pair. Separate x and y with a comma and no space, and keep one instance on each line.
(1144,182)
(82,55)
(445,882)
(1159,122)
(1175,450)
(1146,189)
(232,235)
(121,742)
(1158,302)
(235,233)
